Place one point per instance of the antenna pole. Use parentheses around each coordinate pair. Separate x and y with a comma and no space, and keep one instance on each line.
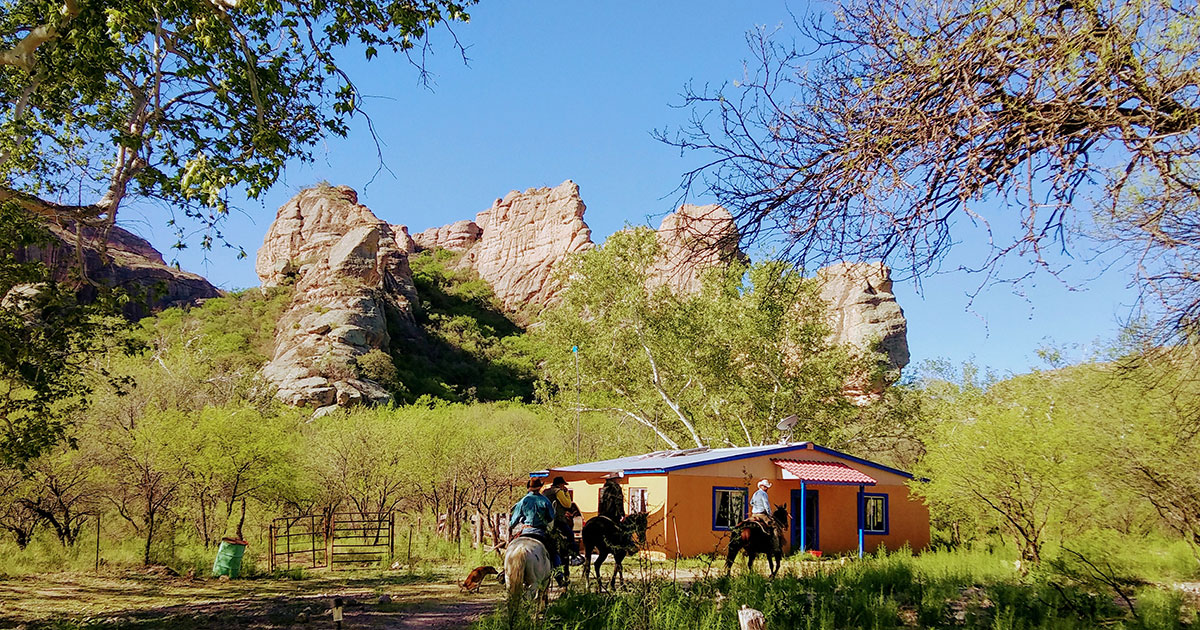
(578,403)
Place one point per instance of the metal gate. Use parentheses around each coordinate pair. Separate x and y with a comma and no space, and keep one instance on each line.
(358,539)
(298,542)
(334,541)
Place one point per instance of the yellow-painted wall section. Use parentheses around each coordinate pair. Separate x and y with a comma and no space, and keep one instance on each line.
(586,493)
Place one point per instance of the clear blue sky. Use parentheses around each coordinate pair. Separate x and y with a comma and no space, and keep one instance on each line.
(572,90)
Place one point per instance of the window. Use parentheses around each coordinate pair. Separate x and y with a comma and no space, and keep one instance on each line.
(730,506)
(637,500)
(875,514)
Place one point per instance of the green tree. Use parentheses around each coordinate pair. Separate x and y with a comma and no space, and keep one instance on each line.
(187,101)
(722,365)
(1016,455)
(48,343)
(237,454)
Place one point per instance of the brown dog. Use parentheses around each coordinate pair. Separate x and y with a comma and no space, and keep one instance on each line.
(475,578)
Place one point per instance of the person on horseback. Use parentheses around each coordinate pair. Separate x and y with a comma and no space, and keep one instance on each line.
(533,517)
(760,507)
(612,500)
(565,511)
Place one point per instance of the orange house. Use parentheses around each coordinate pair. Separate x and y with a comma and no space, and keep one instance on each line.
(837,503)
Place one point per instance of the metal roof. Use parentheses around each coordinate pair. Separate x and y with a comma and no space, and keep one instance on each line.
(663,461)
(825,472)
(660,462)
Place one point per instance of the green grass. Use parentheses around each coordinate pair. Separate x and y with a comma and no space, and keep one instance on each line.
(949,589)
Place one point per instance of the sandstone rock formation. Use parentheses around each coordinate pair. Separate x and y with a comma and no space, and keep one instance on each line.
(864,313)
(692,240)
(515,244)
(524,235)
(352,279)
(128,261)
(456,237)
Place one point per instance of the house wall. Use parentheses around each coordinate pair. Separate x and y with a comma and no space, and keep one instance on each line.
(684,498)
(586,492)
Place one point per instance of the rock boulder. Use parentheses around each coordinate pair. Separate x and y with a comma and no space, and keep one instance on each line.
(864,313)
(352,279)
(692,240)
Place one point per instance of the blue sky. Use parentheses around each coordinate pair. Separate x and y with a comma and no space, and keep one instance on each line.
(572,90)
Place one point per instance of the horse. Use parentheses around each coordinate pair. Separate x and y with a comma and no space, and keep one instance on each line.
(608,536)
(527,564)
(753,538)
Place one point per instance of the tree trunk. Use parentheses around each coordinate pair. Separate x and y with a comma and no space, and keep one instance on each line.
(149,539)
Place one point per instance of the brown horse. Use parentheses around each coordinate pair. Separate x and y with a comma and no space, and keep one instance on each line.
(608,536)
(753,538)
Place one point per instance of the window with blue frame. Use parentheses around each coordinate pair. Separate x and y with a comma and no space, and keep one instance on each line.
(875,513)
(730,507)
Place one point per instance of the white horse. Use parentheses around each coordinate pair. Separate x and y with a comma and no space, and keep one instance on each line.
(527,564)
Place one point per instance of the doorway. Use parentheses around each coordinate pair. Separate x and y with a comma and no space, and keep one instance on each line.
(811,519)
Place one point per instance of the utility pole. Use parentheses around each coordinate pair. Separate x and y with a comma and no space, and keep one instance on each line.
(578,402)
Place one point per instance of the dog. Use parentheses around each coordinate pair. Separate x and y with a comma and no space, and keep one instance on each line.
(475,578)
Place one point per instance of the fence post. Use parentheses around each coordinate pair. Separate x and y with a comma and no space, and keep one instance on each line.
(97,543)
(392,536)
(271,547)
(327,527)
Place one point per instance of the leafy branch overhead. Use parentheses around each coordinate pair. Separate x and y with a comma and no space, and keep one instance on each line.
(896,124)
(185,101)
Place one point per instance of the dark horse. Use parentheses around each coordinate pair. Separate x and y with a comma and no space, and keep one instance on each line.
(608,536)
(752,537)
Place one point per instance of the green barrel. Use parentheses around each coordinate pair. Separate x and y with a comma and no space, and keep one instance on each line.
(229,558)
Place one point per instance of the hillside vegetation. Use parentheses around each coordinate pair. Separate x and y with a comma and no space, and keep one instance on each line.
(1058,473)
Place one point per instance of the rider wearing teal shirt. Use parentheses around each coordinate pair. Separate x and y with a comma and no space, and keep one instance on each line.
(535,512)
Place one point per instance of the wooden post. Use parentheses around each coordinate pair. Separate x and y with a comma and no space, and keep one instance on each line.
(328,528)
(392,536)
(750,619)
(675,566)
(410,532)
(97,543)
(271,547)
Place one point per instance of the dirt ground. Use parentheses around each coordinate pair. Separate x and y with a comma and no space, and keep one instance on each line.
(151,599)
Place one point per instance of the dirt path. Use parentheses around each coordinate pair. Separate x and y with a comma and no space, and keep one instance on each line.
(374,601)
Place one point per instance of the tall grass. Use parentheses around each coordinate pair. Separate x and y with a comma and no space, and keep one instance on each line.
(952,589)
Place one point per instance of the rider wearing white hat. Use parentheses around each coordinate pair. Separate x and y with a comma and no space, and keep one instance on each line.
(759,503)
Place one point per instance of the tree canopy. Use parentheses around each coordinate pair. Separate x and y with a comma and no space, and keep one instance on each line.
(718,367)
(184,101)
(885,129)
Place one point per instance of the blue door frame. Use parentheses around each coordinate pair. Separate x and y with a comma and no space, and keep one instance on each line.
(806,513)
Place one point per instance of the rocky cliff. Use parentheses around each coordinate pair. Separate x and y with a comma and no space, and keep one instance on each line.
(353,289)
(128,262)
(515,244)
(692,240)
(864,313)
(354,286)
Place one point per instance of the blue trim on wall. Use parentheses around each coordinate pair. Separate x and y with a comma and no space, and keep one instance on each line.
(887,521)
(859,460)
(745,506)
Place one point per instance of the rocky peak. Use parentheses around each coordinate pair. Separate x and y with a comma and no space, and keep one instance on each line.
(456,237)
(692,240)
(521,239)
(864,313)
(351,274)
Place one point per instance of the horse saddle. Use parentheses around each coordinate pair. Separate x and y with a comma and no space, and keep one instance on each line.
(765,526)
